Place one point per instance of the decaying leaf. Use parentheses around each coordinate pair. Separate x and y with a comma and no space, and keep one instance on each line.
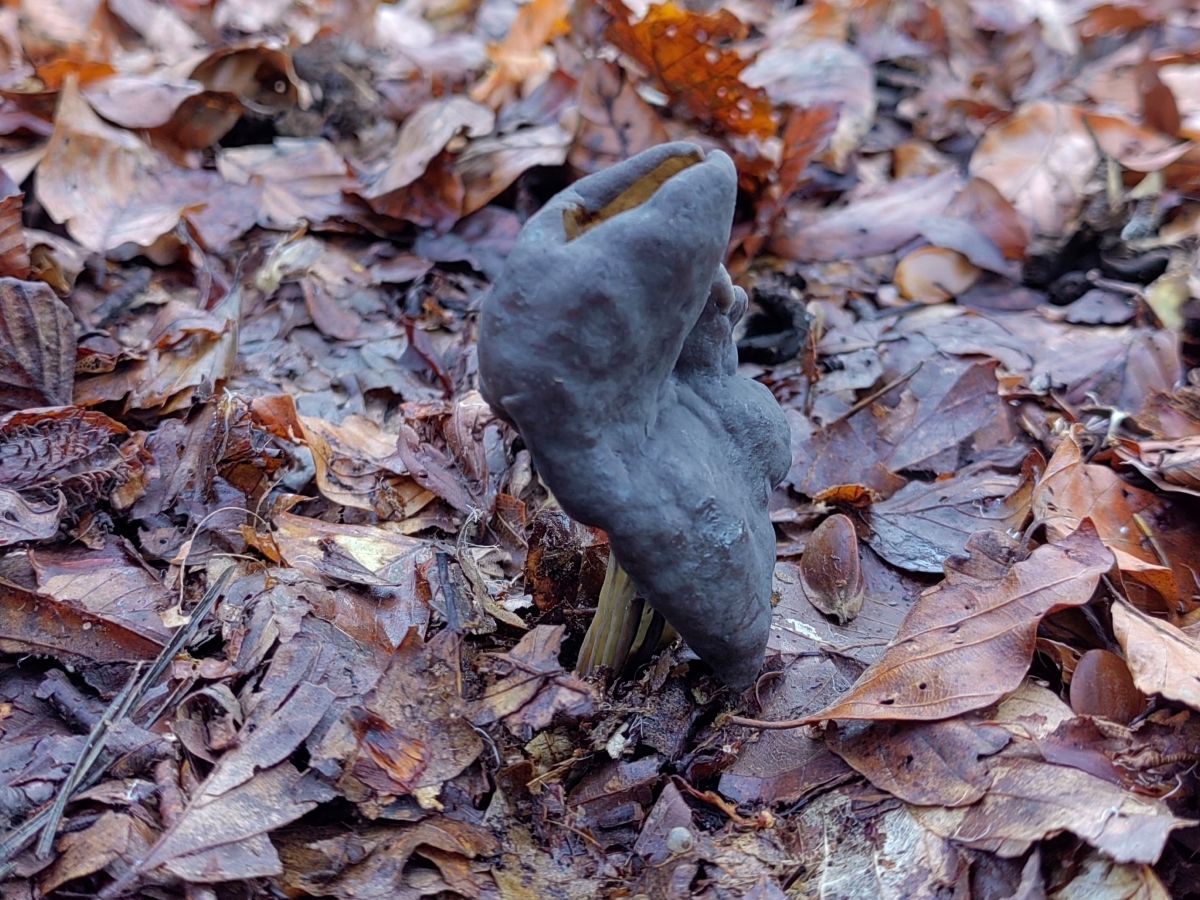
(1030,800)
(535,689)
(1163,659)
(923,523)
(925,763)
(412,730)
(37,346)
(968,642)
(106,185)
(683,51)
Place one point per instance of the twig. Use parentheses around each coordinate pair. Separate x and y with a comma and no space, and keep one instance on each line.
(872,397)
(86,770)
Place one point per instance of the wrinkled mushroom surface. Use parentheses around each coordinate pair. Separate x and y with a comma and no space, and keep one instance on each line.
(607,342)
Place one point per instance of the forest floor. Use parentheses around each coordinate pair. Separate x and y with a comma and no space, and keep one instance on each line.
(284,609)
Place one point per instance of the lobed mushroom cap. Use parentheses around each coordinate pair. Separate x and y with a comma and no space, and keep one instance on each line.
(607,341)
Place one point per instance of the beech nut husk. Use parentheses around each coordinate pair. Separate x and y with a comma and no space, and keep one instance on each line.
(1101,685)
(830,571)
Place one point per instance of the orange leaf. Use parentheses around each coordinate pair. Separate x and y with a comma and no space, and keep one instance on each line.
(684,52)
(969,641)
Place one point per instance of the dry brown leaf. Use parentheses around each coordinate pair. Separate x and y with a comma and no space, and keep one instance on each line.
(423,136)
(687,54)
(1171,465)
(140,101)
(821,73)
(1099,878)
(490,164)
(534,689)
(112,837)
(106,185)
(191,350)
(14,254)
(1030,800)
(221,834)
(934,275)
(923,763)
(349,458)
(925,522)
(1042,159)
(968,642)
(37,346)
(522,61)
(880,223)
(360,554)
(373,861)
(1072,490)
(615,122)
(412,730)
(300,180)
(1162,658)
(33,624)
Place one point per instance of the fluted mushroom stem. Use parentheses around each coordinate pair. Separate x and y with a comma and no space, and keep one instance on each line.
(625,629)
(616,623)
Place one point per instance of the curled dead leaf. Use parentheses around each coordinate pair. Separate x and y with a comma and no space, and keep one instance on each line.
(934,275)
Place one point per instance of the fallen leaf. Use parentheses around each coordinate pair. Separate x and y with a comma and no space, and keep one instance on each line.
(1030,800)
(534,689)
(37,346)
(423,136)
(923,523)
(489,165)
(821,72)
(412,731)
(1163,659)
(1041,159)
(138,101)
(34,624)
(869,226)
(1072,490)
(615,122)
(686,53)
(301,181)
(1099,878)
(109,583)
(373,861)
(1172,465)
(191,349)
(106,185)
(14,254)
(360,554)
(924,763)
(519,62)
(968,642)
(221,834)
(112,837)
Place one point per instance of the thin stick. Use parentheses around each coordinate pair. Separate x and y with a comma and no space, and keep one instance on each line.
(89,766)
(872,397)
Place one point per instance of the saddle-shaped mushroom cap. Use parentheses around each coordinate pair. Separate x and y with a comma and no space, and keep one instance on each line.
(607,341)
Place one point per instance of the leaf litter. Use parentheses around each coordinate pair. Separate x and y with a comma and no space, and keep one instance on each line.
(285,610)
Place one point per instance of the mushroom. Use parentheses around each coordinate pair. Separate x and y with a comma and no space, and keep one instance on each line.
(607,341)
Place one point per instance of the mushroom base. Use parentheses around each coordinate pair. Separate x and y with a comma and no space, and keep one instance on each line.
(622,624)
